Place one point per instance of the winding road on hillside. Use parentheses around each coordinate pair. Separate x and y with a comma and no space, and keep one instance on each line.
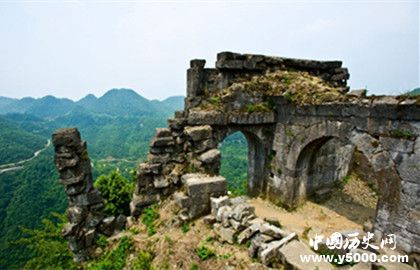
(19,164)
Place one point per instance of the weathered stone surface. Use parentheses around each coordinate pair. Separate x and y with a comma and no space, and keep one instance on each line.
(209,219)
(163,132)
(241,211)
(210,156)
(206,185)
(225,234)
(198,133)
(246,234)
(218,202)
(107,226)
(270,251)
(273,231)
(290,256)
(360,93)
(85,213)
(162,141)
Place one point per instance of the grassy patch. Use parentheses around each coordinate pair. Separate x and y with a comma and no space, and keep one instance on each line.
(259,107)
(148,218)
(143,261)
(205,253)
(185,227)
(402,134)
(113,259)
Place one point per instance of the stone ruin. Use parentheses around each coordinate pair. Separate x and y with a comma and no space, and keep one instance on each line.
(303,129)
(296,150)
(86,218)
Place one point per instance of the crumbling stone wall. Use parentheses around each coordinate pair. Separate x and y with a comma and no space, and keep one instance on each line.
(291,147)
(86,218)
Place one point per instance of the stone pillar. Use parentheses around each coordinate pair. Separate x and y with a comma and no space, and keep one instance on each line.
(85,213)
(195,77)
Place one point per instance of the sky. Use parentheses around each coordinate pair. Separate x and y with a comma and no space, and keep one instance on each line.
(73,48)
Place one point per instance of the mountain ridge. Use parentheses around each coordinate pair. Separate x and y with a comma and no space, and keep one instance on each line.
(117,101)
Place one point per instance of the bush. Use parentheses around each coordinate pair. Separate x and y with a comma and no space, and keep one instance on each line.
(117,191)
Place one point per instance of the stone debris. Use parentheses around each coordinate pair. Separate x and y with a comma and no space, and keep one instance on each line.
(236,223)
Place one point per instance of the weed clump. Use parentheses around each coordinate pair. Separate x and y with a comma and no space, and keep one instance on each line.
(148,218)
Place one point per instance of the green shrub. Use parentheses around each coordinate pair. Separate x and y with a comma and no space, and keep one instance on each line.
(194,266)
(148,218)
(117,191)
(204,253)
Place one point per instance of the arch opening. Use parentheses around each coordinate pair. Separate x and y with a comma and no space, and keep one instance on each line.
(242,163)
(332,172)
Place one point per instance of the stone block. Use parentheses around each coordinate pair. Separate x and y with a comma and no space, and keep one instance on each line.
(211,156)
(163,132)
(249,232)
(290,256)
(209,219)
(206,184)
(225,234)
(107,226)
(207,118)
(223,213)
(162,142)
(269,252)
(198,133)
(216,203)
(160,181)
(181,200)
(242,210)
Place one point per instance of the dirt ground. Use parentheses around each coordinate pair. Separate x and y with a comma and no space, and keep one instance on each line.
(347,210)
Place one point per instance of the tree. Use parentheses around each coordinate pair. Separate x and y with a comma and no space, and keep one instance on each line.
(117,191)
(49,249)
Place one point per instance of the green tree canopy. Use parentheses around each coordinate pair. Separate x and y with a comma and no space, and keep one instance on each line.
(117,191)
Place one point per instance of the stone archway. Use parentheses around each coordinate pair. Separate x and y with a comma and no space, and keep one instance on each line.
(257,158)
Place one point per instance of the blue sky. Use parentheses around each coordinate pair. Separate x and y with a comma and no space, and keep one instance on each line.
(72,48)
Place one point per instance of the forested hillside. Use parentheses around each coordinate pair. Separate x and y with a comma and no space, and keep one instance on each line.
(16,143)
(117,126)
